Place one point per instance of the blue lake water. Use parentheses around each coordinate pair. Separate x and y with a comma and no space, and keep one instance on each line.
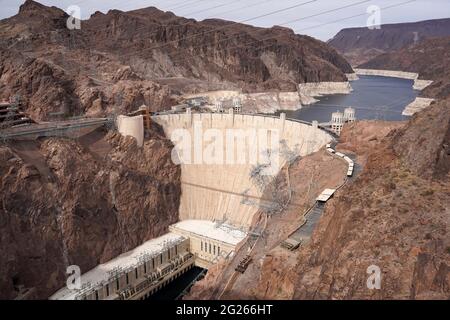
(373,97)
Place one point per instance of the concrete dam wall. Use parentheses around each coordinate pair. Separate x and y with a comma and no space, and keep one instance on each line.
(309,91)
(231,191)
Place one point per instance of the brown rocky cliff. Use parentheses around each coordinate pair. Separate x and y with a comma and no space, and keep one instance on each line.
(395,215)
(161,44)
(424,143)
(43,88)
(46,88)
(77,203)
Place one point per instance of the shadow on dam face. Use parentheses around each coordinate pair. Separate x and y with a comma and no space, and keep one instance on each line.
(176,289)
(221,192)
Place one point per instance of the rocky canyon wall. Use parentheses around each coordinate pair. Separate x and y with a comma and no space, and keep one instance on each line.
(394,216)
(79,202)
(429,59)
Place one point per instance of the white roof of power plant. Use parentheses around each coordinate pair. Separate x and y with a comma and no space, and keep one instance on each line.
(209,229)
(101,273)
(325,195)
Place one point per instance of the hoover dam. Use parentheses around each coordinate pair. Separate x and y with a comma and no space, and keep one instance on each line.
(216,192)
(218,201)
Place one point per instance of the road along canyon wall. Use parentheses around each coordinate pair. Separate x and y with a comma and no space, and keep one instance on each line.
(271,102)
(230,187)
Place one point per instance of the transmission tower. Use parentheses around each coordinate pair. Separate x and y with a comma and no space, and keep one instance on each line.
(11,113)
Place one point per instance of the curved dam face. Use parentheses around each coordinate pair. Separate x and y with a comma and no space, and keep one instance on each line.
(229,188)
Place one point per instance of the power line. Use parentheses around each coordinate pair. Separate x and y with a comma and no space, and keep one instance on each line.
(363,14)
(184,5)
(271,13)
(211,8)
(200,11)
(228,25)
(258,3)
(114,3)
(129,8)
(325,12)
(284,23)
(274,12)
(185,17)
(195,12)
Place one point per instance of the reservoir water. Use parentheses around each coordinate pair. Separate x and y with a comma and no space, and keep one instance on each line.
(373,97)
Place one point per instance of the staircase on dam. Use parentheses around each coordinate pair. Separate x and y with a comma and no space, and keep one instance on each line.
(303,234)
